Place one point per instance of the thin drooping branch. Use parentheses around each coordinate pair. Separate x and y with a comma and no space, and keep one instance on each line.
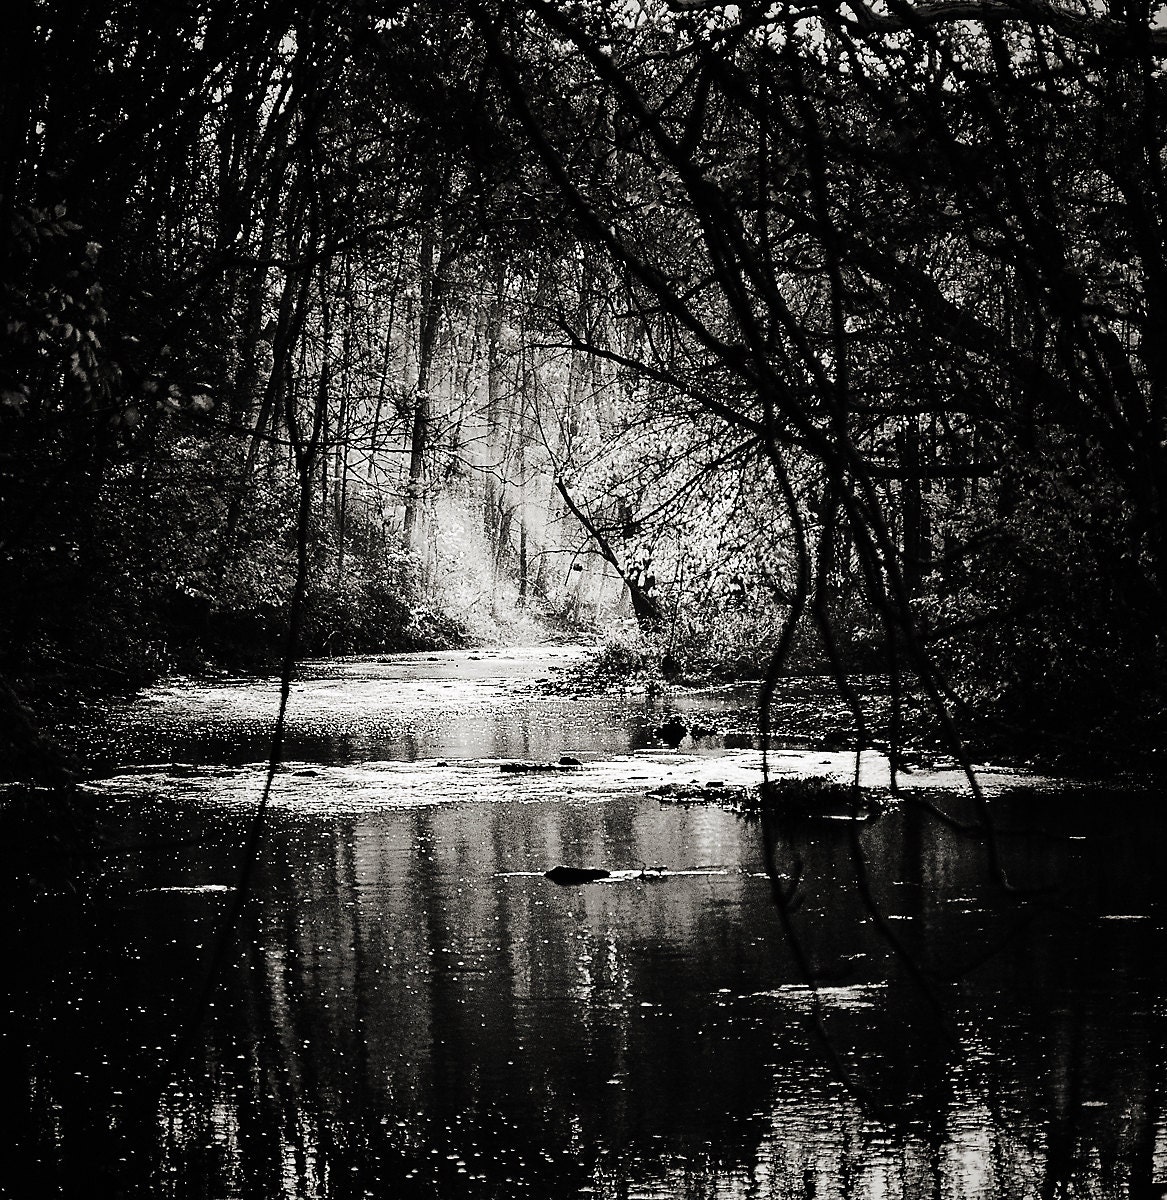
(644,605)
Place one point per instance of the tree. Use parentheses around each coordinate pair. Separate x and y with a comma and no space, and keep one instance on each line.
(864,231)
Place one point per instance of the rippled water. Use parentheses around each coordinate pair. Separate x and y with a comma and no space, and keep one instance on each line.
(411,1008)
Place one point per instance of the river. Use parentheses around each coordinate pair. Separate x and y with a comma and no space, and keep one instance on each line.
(410,1008)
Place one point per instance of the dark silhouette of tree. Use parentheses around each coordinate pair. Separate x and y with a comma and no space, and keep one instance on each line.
(916,253)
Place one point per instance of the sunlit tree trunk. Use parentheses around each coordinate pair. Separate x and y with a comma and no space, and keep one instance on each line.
(491,513)
(432,263)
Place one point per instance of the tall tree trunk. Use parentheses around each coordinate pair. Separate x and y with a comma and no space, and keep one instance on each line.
(491,515)
(912,503)
(432,285)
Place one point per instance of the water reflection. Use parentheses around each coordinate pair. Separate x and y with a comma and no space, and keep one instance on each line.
(411,1009)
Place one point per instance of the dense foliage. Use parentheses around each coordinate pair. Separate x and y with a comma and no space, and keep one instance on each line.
(824,336)
(916,259)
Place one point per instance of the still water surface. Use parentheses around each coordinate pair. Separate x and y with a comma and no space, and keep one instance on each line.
(412,1009)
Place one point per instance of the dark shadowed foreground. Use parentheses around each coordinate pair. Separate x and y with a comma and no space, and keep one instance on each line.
(413,1009)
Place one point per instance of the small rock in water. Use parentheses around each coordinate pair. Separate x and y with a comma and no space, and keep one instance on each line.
(562,874)
(522,767)
(672,732)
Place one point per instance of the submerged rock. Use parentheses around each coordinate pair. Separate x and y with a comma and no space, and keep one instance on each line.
(523,768)
(731,796)
(562,874)
(816,797)
(791,797)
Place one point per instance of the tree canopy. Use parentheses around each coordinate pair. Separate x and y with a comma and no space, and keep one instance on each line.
(848,316)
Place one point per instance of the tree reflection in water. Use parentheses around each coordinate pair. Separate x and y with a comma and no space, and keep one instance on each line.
(414,1010)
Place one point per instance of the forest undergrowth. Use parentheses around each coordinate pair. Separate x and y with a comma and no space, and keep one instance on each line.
(810,707)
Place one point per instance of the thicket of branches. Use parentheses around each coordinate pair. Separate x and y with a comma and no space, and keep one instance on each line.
(844,317)
(242,261)
(916,256)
